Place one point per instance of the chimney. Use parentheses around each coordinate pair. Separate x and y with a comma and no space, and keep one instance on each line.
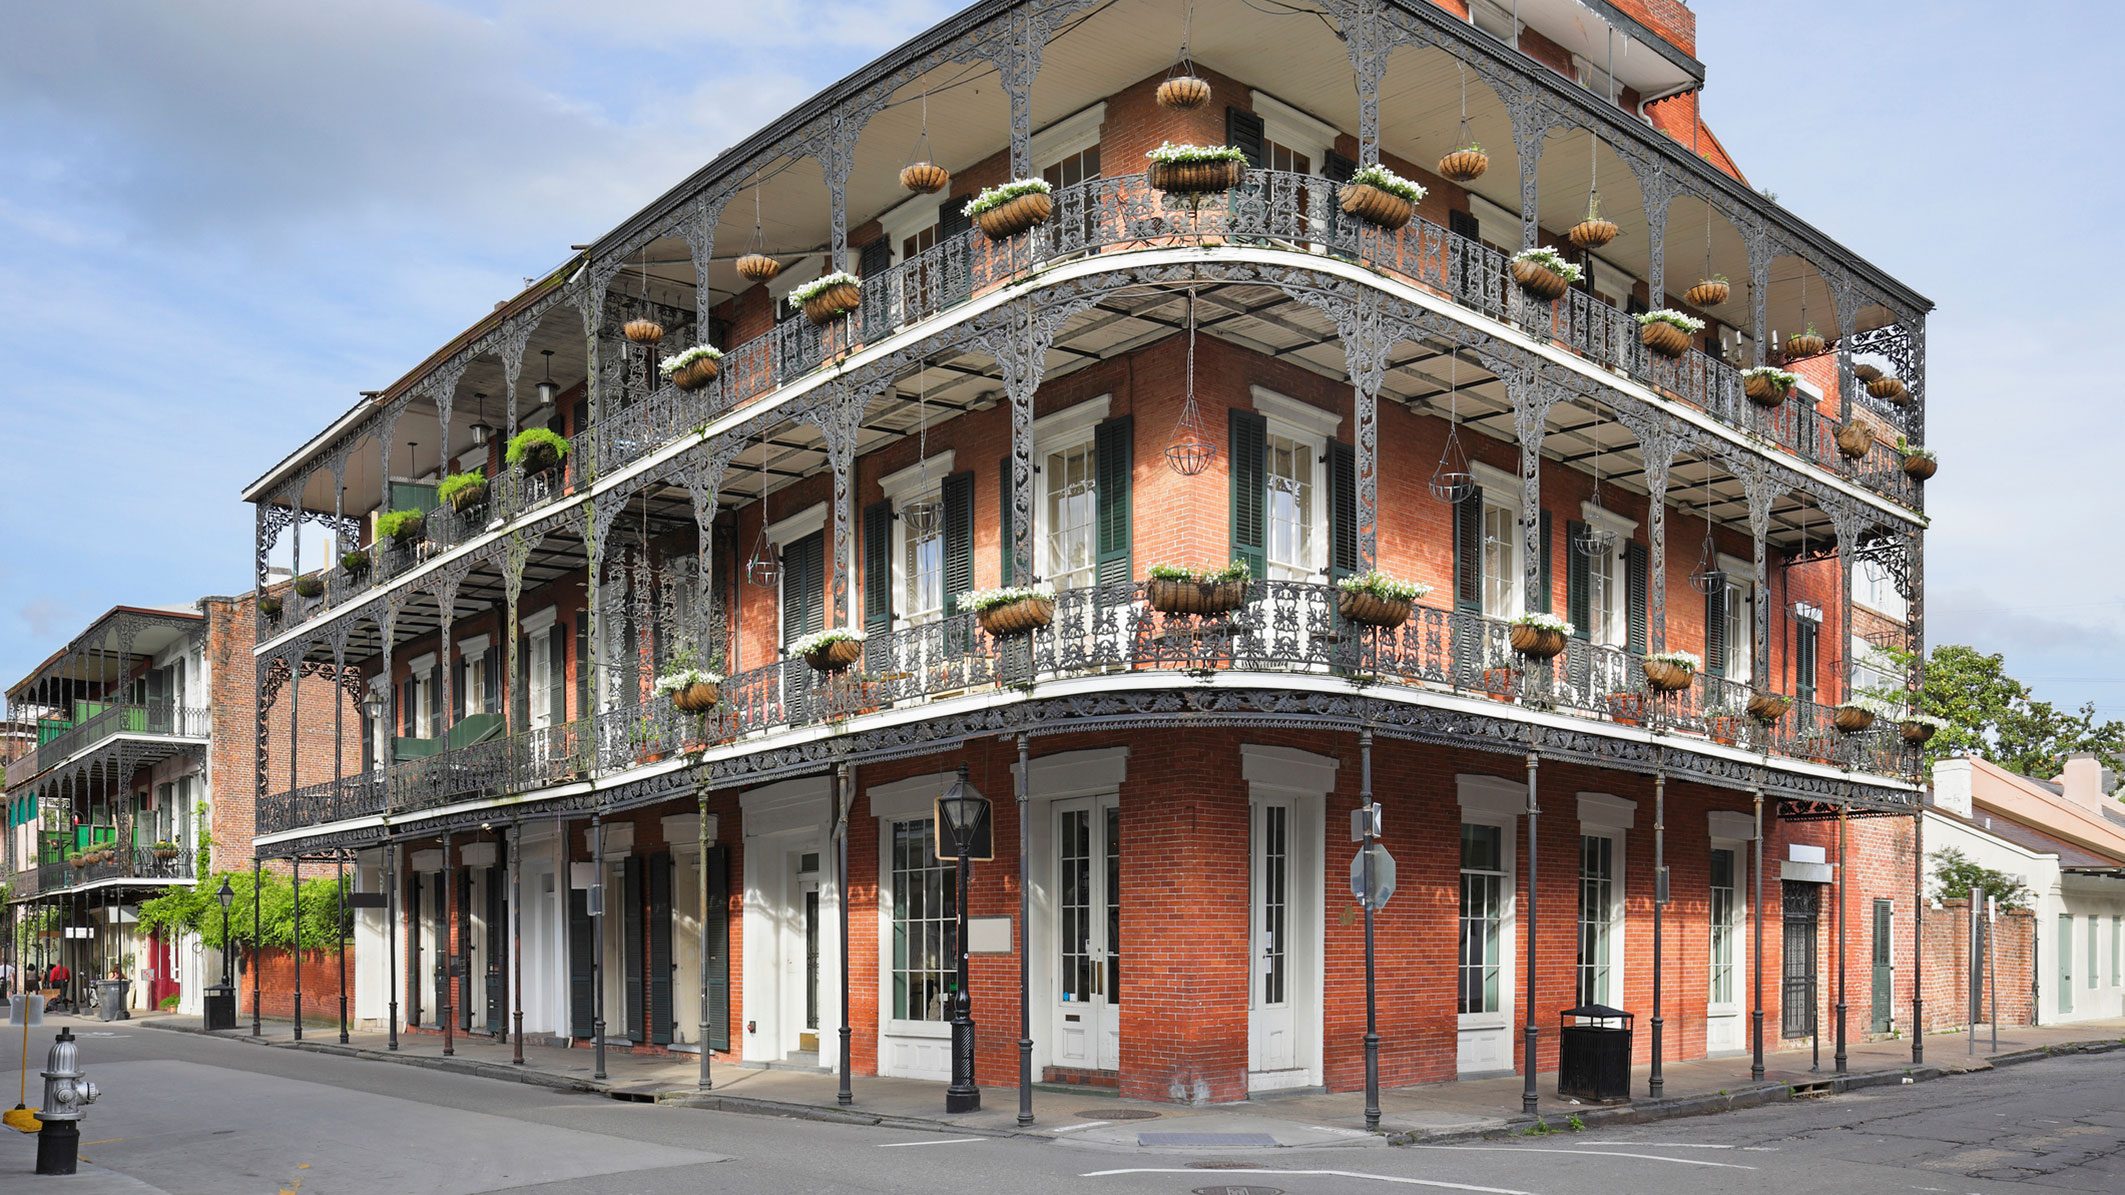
(1951,785)
(2082,780)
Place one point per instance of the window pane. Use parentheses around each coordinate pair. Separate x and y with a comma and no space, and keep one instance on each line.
(925,926)
(1073,505)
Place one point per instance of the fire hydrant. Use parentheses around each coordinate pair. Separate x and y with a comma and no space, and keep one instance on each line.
(67,1095)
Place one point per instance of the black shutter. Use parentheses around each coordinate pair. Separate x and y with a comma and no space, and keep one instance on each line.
(952,219)
(1805,639)
(579,961)
(1464,224)
(1005,524)
(958,495)
(1336,168)
(1244,132)
(413,948)
(1715,631)
(497,949)
(1342,510)
(557,676)
(1635,598)
(660,950)
(874,258)
(1578,581)
(458,674)
(584,664)
(877,568)
(1114,450)
(631,944)
(405,708)
(718,948)
(464,948)
(520,693)
(1544,600)
(441,921)
(1468,552)
(1250,468)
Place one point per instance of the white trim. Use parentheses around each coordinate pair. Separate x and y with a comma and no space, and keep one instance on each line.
(912,799)
(1608,812)
(1294,129)
(1735,827)
(430,860)
(474,648)
(539,620)
(907,219)
(802,804)
(785,532)
(422,665)
(1074,133)
(1490,796)
(476,854)
(1072,421)
(1301,418)
(1602,518)
(682,831)
(1066,774)
(1287,770)
(1739,571)
(619,839)
(1495,480)
(917,479)
(1613,280)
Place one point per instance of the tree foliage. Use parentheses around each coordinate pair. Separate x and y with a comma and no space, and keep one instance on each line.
(1993,715)
(1957,876)
(198,910)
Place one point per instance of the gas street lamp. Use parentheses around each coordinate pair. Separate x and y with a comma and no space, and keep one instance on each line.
(227,897)
(963,833)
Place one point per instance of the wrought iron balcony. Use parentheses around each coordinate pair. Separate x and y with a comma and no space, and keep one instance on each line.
(154,719)
(91,867)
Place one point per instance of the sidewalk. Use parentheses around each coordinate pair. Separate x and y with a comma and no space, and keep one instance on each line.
(1431,1111)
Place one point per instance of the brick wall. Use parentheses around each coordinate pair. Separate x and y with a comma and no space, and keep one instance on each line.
(276,999)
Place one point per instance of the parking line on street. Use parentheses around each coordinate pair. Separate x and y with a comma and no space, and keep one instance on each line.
(1378,1178)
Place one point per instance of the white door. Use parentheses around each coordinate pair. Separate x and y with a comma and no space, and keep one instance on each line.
(804,961)
(1272,1021)
(1086,1015)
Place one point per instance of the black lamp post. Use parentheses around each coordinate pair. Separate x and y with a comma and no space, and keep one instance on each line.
(963,833)
(227,897)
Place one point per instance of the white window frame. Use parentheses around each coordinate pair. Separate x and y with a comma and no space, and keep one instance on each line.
(1741,579)
(1294,129)
(473,654)
(421,672)
(1311,428)
(910,218)
(922,480)
(1612,284)
(1604,815)
(1501,490)
(1493,801)
(537,628)
(1073,134)
(1490,15)
(1731,831)
(1067,430)
(1601,518)
(1496,225)
(892,805)
(1868,659)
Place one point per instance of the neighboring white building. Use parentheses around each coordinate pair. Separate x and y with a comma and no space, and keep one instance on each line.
(2065,839)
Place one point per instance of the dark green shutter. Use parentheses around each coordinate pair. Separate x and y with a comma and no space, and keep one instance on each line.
(631,944)
(1715,631)
(1543,597)
(718,948)
(1244,131)
(497,949)
(579,962)
(1578,600)
(877,568)
(464,948)
(1468,552)
(1805,639)
(1635,598)
(804,587)
(557,676)
(1336,168)
(1250,469)
(660,952)
(584,664)
(1114,451)
(459,674)
(958,494)
(874,258)
(1342,510)
(1004,522)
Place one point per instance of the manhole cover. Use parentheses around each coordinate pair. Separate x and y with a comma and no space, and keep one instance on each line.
(1116,1113)
(1238,1191)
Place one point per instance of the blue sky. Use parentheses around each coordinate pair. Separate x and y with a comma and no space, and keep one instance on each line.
(220,220)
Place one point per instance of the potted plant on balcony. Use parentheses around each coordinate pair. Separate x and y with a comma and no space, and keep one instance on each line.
(1891,389)
(691,687)
(1856,714)
(401,526)
(826,297)
(1007,209)
(1855,440)
(691,369)
(1594,231)
(831,650)
(1667,331)
(1196,169)
(1723,724)
(309,585)
(1380,197)
(1671,671)
(1374,599)
(1011,610)
(1768,708)
(1805,344)
(1627,706)
(1709,292)
(1178,589)
(536,449)
(167,850)
(269,605)
(1917,727)
(463,492)
(81,859)
(1768,385)
(1537,635)
(1919,463)
(1466,164)
(1544,273)
(355,563)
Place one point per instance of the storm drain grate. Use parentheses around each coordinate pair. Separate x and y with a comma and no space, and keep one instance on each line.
(1116,1113)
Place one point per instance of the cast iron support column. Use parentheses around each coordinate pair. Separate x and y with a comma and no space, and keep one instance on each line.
(295,879)
(1372,1008)
(701,810)
(1025,940)
(1756,958)
(1918,925)
(597,942)
(1656,1082)
(846,1095)
(516,943)
(257,982)
(1534,875)
(1841,886)
(443,952)
(340,870)
(391,850)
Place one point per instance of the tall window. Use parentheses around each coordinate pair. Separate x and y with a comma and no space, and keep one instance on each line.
(1482,916)
(1072,478)
(1074,167)
(1874,587)
(1604,600)
(925,926)
(922,571)
(1501,560)
(1290,507)
(1281,157)
(1597,917)
(1725,924)
(2065,953)
(1872,669)
(1740,645)
(2092,976)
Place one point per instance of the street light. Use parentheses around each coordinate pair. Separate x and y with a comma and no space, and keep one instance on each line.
(963,833)
(227,897)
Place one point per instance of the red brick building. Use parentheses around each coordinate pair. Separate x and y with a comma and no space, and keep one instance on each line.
(1157,373)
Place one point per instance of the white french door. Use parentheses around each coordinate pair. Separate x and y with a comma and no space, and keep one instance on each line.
(1086,1009)
(1274,980)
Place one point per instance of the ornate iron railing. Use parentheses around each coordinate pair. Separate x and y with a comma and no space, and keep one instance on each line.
(159,718)
(89,867)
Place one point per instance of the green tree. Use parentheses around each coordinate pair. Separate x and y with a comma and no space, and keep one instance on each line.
(198,910)
(1956,876)
(1991,714)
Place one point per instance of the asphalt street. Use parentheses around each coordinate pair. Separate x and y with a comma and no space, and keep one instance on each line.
(184,1114)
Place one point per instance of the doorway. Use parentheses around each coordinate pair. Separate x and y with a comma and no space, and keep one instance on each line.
(1797,987)
(1884,971)
(1283,937)
(1085,1013)
(806,961)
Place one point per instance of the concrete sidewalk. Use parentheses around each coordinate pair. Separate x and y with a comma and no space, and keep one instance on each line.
(1311,1119)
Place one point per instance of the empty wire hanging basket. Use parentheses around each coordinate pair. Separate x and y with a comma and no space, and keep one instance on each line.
(1190,450)
(1451,480)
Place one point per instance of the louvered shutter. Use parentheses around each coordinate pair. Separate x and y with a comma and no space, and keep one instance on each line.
(718,948)
(874,258)
(1578,580)
(804,587)
(1244,131)
(1544,601)
(631,943)
(877,568)
(958,495)
(660,949)
(557,676)
(877,311)
(1468,553)
(1342,510)
(1004,522)
(1114,451)
(458,676)
(1635,598)
(585,665)
(1715,631)
(1250,467)
(579,963)
(1336,168)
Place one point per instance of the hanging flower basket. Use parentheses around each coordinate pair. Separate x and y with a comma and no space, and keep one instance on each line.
(1709,293)
(925,178)
(535,450)
(1852,718)
(1381,197)
(1855,440)
(1916,729)
(1544,273)
(401,526)
(1464,165)
(1805,344)
(826,298)
(1627,707)
(1670,671)
(758,267)
(1592,232)
(1013,610)
(1919,464)
(309,585)
(1667,331)
(830,651)
(1196,169)
(269,605)
(1865,373)
(698,697)
(692,369)
(1767,708)
(463,492)
(1012,208)
(1768,386)
(1183,93)
(1375,599)
(1891,389)
(1538,636)
(356,563)
(641,330)
(1176,590)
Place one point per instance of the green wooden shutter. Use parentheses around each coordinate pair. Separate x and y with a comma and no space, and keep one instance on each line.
(958,494)
(804,587)
(1715,632)
(1635,598)
(874,258)
(660,949)
(579,962)
(718,948)
(557,675)
(1342,510)
(631,943)
(1114,451)
(1004,522)
(877,568)
(1468,552)
(1336,168)
(464,948)
(1543,598)
(584,663)
(1245,132)
(1578,581)
(1250,469)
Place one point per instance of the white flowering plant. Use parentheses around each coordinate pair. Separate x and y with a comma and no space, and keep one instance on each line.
(1541,621)
(1388,181)
(686,678)
(1924,454)
(820,285)
(1880,708)
(1004,193)
(1236,571)
(820,640)
(1774,375)
(1672,318)
(680,360)
(1934,720)
(1681,659)
(1168,153)
(978,600)
(1384,587)
(1551,260)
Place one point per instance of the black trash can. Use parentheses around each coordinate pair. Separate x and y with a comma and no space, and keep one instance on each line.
(221,1007)
(1594,1054)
